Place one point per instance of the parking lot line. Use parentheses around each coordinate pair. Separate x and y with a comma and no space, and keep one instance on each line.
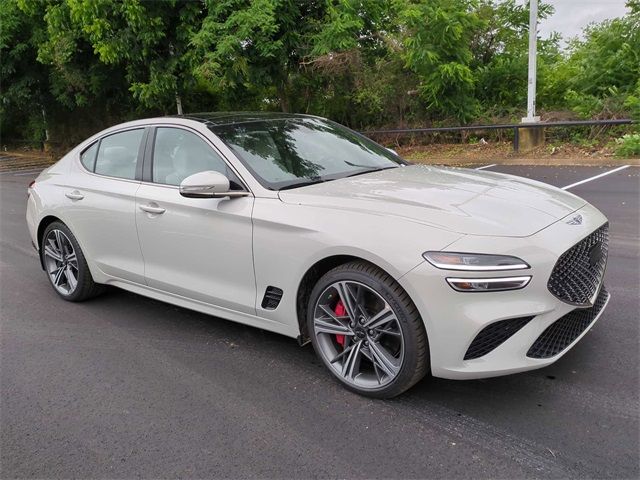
(21,172)
(486,166)
(30,172)
(595,177)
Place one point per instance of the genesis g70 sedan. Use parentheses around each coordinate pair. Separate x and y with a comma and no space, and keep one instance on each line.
(300,226)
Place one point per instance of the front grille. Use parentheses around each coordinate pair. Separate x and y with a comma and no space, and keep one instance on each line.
(561,333)
(578,272)
(493,335)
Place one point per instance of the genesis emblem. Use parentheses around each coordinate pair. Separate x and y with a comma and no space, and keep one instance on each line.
(575,220)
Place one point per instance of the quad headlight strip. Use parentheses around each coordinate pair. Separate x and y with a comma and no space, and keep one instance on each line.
(474,262)
(480,262)
(488,284)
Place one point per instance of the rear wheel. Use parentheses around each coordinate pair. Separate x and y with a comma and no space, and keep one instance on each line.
(366,330)
(65,264)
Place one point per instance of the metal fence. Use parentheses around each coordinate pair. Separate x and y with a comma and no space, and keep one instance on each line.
(516,127)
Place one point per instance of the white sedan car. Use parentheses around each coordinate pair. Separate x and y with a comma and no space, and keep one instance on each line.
(297,225)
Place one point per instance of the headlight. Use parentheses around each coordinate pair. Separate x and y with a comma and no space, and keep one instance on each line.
(474,262)
(488,284)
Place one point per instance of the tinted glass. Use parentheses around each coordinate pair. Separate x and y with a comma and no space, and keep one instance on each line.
(294,151)
(179,153)
(88,157)
(118,154)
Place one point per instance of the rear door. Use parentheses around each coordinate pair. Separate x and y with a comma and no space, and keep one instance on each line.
(100,203)
(200,248)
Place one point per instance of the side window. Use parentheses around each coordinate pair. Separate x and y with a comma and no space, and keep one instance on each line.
(179,153)
(118,154)
(88,157)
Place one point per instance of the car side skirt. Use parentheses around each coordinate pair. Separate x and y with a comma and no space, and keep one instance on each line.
(226,314)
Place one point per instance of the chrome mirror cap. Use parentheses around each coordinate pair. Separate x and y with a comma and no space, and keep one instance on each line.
(208,184)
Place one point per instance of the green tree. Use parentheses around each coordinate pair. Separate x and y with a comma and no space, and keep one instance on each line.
(148,41)
(255,47)
(601,73)
(74,66)
(437,36)
(354,63)
(24,84)
(500,51)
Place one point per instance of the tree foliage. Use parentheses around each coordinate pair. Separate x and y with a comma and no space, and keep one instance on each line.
(601,74)
(24,83)
(366,63)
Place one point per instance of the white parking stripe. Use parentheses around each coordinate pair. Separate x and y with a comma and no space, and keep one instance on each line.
(31,172)
(21,172)
(596,177)
(487,166)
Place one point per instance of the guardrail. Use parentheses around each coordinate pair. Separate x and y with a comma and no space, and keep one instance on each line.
(516,127)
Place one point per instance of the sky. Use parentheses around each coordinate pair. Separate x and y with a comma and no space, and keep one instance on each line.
(571,16)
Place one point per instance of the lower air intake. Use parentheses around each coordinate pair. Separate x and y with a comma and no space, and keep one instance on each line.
(494,335)
(561,333)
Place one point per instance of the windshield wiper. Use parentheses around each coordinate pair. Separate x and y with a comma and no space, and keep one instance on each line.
(303,184)
(370,170)
(313,181)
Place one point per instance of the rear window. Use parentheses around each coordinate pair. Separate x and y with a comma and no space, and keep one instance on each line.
(118,154)
(88,157)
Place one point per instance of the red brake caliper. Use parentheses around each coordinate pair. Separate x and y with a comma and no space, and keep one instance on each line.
(340,311)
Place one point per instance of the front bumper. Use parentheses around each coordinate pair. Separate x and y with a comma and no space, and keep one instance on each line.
(454,319)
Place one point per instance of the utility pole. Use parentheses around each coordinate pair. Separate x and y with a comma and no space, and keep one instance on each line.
(531,134)
(533,51)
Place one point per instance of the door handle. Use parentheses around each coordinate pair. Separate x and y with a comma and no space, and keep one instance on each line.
(152,209)
(75,195)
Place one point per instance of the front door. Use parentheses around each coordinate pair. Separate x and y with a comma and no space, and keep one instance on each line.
(199,248)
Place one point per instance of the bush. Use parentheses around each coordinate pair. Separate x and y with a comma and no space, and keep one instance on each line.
(628,145)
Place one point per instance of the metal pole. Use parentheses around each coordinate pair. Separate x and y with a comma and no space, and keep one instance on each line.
(533,50)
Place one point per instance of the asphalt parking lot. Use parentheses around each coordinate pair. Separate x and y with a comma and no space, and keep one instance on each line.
(123,386)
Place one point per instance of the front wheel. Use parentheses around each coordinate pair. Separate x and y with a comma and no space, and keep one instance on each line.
(65,264)
(367,331)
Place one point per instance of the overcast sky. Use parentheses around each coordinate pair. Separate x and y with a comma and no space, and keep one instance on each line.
(571,16)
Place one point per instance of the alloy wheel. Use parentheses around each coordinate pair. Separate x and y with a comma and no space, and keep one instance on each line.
(358,334)
(61,262)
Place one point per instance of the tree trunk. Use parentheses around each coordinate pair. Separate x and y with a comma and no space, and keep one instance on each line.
(45,144)
(44,123)
(179,104)
(284,97)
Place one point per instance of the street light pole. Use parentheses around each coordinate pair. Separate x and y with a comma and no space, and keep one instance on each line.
(533,51)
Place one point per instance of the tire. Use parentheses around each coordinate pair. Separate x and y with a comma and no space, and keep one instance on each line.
(58,241)
(393,356)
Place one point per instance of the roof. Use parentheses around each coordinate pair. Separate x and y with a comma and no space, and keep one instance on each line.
(227,118)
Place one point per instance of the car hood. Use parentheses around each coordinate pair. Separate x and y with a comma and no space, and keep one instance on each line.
(459,200)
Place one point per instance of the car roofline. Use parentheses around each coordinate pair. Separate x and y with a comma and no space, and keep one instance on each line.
(215,119)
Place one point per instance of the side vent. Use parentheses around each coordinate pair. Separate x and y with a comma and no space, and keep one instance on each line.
(272,297)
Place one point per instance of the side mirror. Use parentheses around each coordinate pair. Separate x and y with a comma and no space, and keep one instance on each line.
(392,151)
(208,184)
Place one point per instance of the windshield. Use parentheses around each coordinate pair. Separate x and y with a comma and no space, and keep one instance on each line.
(291,152)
